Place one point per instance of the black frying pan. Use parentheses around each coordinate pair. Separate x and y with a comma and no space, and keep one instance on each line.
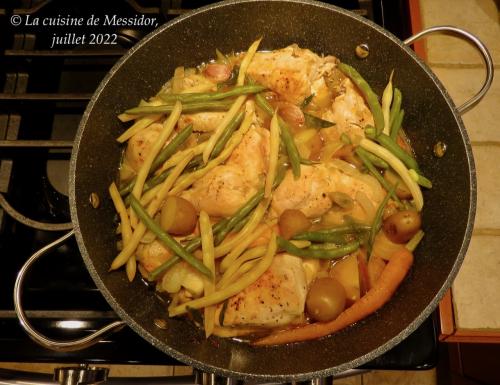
(430,117)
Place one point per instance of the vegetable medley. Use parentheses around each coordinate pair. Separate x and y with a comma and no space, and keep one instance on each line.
(269,194)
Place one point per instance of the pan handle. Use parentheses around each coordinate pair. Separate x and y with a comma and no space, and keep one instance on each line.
(61,346)
(478,44)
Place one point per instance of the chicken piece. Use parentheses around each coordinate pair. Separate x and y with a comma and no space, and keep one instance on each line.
(349,112)
(202,121)
(290,72)
(276,298)
(309,193)
(140,144)
(151,255)
(227,187)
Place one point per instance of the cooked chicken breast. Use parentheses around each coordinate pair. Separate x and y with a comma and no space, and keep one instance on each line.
(140,144)
(276,298)
(227,187)
(292,72)
(309,193)
(349,112)
(202,121)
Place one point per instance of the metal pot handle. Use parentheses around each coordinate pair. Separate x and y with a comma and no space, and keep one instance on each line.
(61,346)
(488,61)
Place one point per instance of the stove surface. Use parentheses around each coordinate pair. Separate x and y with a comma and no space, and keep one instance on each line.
(44,93)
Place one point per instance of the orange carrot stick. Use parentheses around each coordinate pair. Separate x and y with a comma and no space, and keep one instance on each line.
(374,299)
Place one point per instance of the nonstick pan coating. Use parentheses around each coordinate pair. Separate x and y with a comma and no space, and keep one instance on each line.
(430,117)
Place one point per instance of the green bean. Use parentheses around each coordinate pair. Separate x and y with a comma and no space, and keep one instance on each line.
(391,145)
(315,122)
(164,237)
(128,188)
(378,219)
(157,179)
(396,106)
(378,162)
(332,244)
(160,178)
(386,104)
(163,267)
(188,107)
(370,96)
(362,153)
(262,103)
(212,96)
(226,135)
(420,179)
(307,100)
(291,148)
(280,175)
(196,162)
(315,253)
(345,138)
(396,125)
(150,183)
(396,150)
(162,156)
(239,215)
(308,162)
(171,147)
(240,224)
(332,234)
(414,241)
(192,245)
(371,132)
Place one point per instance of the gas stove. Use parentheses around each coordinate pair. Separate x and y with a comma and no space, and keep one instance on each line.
(46,79)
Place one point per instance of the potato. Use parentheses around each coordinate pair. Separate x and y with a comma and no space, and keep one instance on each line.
(326,299)
(402,226)
(292,222)
(346,272)
(178,216)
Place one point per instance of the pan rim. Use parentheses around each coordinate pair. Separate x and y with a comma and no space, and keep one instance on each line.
(273,377)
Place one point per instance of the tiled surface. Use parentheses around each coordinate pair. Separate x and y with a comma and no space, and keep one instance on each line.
(400,377)
(477,16)
(354,380)
(475,290)
(488,187)
(482,122)
(477,285)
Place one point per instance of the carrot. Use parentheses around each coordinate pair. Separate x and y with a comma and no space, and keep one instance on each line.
(393,274)
(376,266)
(364,280)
